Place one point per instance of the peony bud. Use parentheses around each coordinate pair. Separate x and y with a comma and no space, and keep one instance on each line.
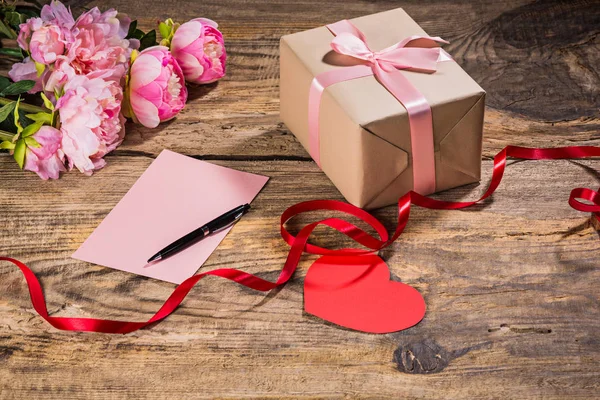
(156,88)
(198,47)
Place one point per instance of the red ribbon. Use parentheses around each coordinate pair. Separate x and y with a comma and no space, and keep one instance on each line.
(299,243)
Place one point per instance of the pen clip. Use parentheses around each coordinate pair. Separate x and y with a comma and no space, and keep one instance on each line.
(236,219)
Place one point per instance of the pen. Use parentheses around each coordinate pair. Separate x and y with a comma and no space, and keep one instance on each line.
(217,224)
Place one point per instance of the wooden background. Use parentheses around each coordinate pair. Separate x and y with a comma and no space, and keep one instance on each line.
(512,286)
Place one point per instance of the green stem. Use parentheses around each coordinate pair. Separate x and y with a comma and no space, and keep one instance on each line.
(6,135)
(29,108)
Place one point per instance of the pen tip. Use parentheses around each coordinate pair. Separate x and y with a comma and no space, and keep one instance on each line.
(156,257)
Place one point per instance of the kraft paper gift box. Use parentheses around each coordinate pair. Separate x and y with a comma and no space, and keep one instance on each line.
(364,132)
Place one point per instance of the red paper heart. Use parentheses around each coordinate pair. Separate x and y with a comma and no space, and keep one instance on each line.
(356,292)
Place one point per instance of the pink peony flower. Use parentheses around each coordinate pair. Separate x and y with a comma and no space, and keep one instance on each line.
(198,47)
(26,30)
(46,44)
(26,70)
(55,80)
(47,161)
(44,41)
(94,42)
(99,43)
(157,89)
(91,123)
(57,14)
(45,38)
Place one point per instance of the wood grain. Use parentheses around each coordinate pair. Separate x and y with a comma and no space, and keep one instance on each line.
(511,285)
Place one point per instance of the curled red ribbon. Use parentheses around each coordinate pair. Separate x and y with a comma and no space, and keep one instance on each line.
(299,243)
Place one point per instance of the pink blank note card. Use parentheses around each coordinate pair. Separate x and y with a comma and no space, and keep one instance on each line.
(175,195)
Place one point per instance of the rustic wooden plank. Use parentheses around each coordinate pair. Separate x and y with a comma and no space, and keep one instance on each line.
(541,100)
(536,98)
(510,287)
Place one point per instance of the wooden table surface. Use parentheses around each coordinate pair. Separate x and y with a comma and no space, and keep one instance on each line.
(512,286)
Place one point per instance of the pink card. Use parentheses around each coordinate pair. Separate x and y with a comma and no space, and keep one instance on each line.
(175,195)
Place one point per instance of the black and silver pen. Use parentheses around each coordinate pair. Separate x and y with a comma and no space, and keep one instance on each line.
(217,224)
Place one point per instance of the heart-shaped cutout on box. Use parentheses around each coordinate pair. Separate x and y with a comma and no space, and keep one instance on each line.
(356,292)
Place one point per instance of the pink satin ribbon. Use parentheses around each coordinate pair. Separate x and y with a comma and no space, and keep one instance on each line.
(417,53)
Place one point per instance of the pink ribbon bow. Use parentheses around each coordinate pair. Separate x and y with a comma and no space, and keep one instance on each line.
(415,53)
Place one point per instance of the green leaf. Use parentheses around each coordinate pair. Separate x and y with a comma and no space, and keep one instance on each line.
(19,154)
(43,117)
(7,145)
(17,119)
(30,130)
(13,18)
(4,83)
(6,110)
(132,28)
(164,30)
(23,120)
(134,32)
(7,31)
(138,34)
(18,88)
(16,53)
(31,142)
(28,11)
(4,135)
(148,40)
(19,116)
(47,103)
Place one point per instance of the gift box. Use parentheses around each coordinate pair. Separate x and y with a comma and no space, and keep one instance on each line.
(381,108)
